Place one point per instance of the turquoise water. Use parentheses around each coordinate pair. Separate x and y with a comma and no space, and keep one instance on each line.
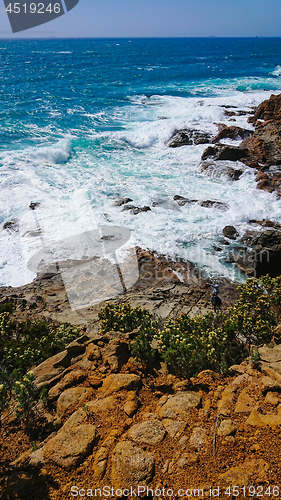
(85,121)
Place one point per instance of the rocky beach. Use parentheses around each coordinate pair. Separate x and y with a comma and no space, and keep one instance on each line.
(110,424)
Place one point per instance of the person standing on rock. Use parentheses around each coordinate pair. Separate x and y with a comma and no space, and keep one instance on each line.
(215,300)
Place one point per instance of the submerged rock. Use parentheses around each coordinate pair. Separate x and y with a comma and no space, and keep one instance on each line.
(230,232)
(188,137)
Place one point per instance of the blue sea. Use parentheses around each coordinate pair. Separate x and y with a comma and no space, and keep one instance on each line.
(84,121)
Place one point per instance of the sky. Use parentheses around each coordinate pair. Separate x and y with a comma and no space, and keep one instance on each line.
(158,18)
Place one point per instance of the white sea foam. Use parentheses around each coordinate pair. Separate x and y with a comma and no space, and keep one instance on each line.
(277,71)
(76,185)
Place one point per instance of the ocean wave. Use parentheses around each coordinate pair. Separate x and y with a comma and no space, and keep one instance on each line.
(277,71)
(57,153)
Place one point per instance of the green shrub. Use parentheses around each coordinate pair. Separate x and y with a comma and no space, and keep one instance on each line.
(190,345)
(257,311)
(23,345)
(141,349)
(125,318)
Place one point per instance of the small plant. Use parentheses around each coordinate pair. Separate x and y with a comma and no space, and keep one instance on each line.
(27,395)
(255,355)
(143,352)
(125,318)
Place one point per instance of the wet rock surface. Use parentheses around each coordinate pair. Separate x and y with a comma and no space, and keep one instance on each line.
(187,137)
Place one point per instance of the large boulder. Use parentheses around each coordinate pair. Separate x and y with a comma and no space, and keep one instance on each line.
(265,256)
(268,110)
(131,465)
(71,445)
(224,152)
(232,132)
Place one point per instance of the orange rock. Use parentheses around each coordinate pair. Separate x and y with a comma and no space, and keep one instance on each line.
(258,420)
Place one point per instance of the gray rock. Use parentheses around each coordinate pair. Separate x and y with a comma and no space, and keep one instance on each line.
(198,439)
(131,465)
(149,432)
(230,232)
(179,405)
(72,396)
(70,446)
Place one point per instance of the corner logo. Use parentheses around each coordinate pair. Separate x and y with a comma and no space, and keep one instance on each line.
(26,14)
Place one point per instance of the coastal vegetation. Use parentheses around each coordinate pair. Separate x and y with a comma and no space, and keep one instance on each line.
(213,341)
(23,345)
(187,345)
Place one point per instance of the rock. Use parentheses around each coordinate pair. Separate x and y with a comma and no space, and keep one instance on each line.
(240,475)
(150,416)
(215,204)
(102,405)
(220,169)
(34,204)
(121,201)
(269,384)
(150,432)
(245,403)
(269,109)
(131,465)
(228,394)
(272,399)
(187,459)
(12,225)
(271,355)
(50,369)
(72,378)
(227,428)
(70,446)
(224,152)
(264,258)
(249,237)
(266,223)
(230,232)
(232,132)
(257,419)
(131,407)
(36,458)
(93,352)
(178,406)
(273,373)
(188,137)
(120,382)
(181,138)
(198,439)
(174,427)
(135,210)
(181,200)
(116,354)
(73,396)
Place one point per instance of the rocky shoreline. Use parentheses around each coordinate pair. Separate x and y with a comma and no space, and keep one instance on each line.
(165,288)
(110,424)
